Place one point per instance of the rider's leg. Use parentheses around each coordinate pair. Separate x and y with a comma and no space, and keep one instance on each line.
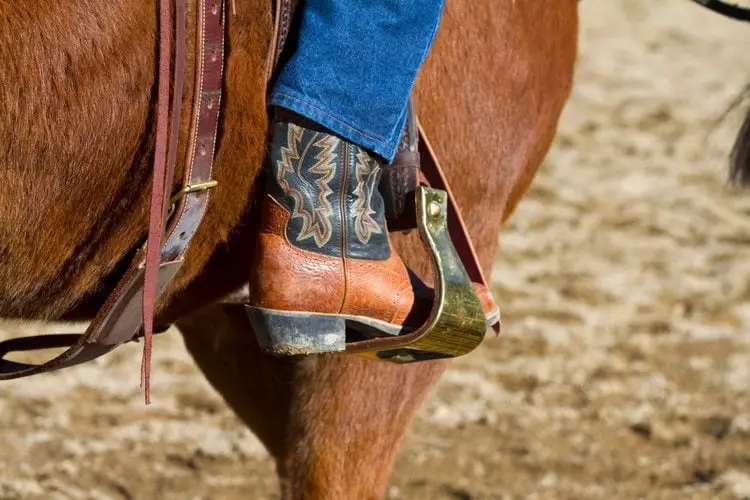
(354,65)
(324,257)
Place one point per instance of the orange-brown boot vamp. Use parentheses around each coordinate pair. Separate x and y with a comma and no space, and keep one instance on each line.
(378,289)
(291,279)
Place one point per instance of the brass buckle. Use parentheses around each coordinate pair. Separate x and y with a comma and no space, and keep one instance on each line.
(193,188)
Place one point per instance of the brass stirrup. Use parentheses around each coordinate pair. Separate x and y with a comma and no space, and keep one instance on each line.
(457,323)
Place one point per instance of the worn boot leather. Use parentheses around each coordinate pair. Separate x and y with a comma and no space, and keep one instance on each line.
(324,261)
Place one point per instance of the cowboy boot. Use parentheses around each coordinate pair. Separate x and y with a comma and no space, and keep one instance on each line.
(324,261)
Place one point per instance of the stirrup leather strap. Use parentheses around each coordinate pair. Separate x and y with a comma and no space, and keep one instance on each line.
(122,316)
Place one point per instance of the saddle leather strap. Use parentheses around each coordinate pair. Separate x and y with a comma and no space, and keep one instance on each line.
(165,156)
(432,173)
(192,201)
(283,16)
(128,308)
(434,177)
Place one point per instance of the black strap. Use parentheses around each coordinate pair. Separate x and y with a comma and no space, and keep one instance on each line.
(86,352)
(726,9)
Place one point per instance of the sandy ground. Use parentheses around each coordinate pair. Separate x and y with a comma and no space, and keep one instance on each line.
(625,367)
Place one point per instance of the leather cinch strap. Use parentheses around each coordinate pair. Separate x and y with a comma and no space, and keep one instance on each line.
(131,305)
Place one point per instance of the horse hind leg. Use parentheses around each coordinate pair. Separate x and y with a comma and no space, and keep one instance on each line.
(333,423)
(219,340)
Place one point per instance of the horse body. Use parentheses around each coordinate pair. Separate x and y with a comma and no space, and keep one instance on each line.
(78,141)
(78,85)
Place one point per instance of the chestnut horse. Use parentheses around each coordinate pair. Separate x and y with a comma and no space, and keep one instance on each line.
(77,79)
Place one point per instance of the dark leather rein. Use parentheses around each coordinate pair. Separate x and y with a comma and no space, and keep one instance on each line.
(730,10)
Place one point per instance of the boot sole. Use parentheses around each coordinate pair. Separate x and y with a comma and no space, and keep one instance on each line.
(289,333)
(493,317)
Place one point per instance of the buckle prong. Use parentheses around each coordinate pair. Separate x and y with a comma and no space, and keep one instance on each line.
(193,188)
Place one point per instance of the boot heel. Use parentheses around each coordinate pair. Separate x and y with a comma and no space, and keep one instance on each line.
(288,333)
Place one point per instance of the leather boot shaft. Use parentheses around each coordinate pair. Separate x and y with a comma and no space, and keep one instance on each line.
(330,189)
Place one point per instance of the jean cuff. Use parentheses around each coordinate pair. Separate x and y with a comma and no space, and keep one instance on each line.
(300,104)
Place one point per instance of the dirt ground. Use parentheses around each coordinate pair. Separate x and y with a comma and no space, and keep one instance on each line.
(624,278)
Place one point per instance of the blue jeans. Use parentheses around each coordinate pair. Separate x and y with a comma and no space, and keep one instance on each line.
(355,65)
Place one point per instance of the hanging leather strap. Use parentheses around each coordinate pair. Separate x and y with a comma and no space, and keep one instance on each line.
(193,200)
(434,176)
(121,317)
